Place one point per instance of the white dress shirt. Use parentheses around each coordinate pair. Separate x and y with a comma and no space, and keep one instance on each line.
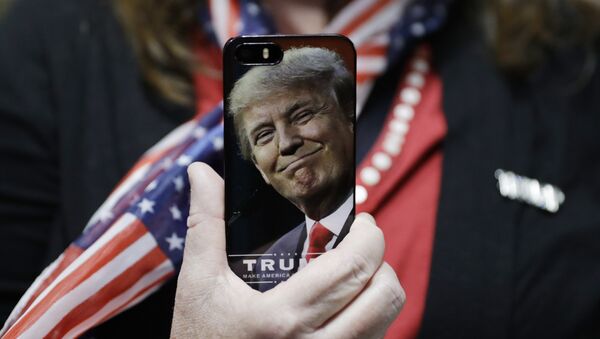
(333,222)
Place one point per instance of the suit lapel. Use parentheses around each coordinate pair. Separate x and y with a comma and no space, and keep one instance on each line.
(299,247)
(345,229)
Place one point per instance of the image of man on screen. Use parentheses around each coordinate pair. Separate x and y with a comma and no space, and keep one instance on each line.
(295,122)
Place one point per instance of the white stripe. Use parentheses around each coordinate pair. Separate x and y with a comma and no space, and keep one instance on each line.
(118,193)
(347,14)
(140,298)
(173,138)
(220,17)
(382,21)
(146,280)
(90,286)
(14,315)
(371,64)
(110,234)
(381,39)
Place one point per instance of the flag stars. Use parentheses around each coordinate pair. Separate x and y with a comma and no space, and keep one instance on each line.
(175,242)
(253,8)
(178,182)
(218,143)
(418,29)
(184,160)
(146,206)
(175,212)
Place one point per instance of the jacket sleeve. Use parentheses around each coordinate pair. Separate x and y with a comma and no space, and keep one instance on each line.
(29,189)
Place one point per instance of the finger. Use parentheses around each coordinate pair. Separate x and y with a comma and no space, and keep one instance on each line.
(373,310)
(206,196)
(205,240)
(332,280)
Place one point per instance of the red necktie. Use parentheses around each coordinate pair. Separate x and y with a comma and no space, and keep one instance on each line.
(319,237)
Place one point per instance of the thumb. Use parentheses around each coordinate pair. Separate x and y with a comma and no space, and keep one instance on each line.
(205,240)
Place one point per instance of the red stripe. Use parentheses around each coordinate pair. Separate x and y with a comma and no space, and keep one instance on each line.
(158,282)
(111,290)
(104,255)
(70,254)
(363,17)
(372,50)
(208,80)
(152,158)
(363,77)
(234,17)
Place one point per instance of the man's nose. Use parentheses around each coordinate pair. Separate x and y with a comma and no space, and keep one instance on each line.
(289,140)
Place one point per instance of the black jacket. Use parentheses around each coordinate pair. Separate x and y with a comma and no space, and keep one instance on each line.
(74,117)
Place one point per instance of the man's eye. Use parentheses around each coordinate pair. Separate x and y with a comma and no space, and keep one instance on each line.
(303,117)
(263,137)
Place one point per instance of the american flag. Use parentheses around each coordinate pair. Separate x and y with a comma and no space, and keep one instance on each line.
(134,242)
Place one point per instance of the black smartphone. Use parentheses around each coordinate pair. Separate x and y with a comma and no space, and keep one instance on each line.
(290,105)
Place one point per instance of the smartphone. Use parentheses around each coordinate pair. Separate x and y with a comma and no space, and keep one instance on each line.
(290,104)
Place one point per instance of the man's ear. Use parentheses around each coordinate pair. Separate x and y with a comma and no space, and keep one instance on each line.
(261,172)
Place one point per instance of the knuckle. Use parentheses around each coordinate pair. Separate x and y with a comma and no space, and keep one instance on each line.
(393,290)
(360,268)
(372,233)
(378,238)
(196,218)
(397,297)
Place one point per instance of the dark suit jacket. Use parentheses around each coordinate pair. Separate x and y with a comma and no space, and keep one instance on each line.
(293,242)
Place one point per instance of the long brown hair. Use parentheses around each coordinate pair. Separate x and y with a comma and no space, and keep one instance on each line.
(521,32)
(161,32)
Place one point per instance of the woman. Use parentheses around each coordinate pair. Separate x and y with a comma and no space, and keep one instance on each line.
(518,98)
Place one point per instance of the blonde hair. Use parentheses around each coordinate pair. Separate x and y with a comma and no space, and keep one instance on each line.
(317,69)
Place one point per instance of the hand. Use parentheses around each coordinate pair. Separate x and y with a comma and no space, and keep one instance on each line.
(358,297)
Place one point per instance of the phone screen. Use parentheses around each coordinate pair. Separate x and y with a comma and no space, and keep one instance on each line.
(289,152)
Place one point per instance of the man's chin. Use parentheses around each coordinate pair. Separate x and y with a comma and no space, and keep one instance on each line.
(304,181)
(301,192)
(306,193)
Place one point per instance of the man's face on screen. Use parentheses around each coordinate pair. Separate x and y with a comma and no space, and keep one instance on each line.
(302,144)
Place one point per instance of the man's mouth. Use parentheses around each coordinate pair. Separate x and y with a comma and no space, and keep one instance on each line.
(291,163)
